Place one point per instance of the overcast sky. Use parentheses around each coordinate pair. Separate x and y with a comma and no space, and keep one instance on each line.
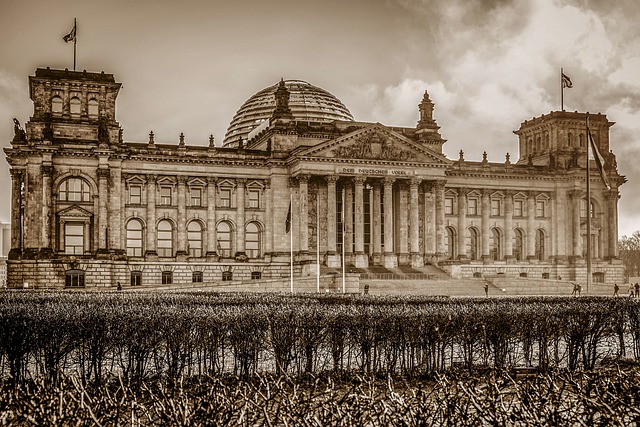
(187,66)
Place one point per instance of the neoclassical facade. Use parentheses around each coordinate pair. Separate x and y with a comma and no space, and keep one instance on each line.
(295,175)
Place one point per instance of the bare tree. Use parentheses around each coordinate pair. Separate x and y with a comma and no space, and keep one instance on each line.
(629,248)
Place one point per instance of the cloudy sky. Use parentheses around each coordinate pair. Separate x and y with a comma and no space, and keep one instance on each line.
(488,65)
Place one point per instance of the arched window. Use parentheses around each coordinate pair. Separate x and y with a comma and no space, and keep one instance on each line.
(495,244)
(92,107)
(56,104)
(194,235)
(252,240)
(134,238)
(165,238)
(473,244)
(450,243)
(74,106)
(518,244)
(224,239)
(74,190)
(540,245)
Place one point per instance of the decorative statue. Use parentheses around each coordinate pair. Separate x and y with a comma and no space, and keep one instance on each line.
(18,132)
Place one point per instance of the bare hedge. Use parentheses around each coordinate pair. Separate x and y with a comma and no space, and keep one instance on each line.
(172,335)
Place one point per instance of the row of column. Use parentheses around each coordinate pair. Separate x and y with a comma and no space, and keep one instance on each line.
(354,226)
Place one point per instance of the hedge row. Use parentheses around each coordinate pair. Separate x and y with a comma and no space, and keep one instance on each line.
(171,335)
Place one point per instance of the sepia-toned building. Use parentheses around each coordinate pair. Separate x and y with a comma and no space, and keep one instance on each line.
(295,174)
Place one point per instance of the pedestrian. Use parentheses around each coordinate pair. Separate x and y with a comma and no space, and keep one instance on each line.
(575,289)
(637,290)
(630,290)
(579,289)
(119,286)
(616,288)
(486,289)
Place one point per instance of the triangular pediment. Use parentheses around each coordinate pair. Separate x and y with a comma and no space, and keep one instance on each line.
(375,142)
(74,211)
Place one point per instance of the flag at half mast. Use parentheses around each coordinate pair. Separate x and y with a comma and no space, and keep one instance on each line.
(566,81)
(599,160)
(71,37)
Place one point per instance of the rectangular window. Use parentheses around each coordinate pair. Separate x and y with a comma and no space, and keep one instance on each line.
(196,197)
(540,208)
(74,278)
(495,207)
(135,194)
(196,277)
(448,205)
(256,275)
(167,277)
(225,197)
(254,199)
(136,278)
(517,208)
(73,238)
(472,207)
(165,196)
(227,276)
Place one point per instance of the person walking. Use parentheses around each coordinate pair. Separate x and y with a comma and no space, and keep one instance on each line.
(637,287)
(616,288)
(486,289)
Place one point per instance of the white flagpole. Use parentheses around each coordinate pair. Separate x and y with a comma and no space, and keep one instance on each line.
(588,209)
(291,242)
(75,38)
(318,242)
(561,90)
(344,287)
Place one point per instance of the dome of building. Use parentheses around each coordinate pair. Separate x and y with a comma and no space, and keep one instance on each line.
(307,103)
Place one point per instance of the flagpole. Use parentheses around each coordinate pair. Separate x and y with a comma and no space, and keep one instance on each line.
(318,243)
(75,28)
(561,90)
(588,209)
(291,245)
(344,287)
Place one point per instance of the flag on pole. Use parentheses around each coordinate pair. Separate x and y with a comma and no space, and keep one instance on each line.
(71,37)
(287,223)
(566,81)
(599,161)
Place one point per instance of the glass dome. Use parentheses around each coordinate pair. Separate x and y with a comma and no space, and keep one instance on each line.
(307,103)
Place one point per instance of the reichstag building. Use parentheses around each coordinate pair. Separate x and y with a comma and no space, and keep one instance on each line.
(296,183)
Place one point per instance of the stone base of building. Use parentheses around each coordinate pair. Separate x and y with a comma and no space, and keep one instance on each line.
(361,260)
(390,261)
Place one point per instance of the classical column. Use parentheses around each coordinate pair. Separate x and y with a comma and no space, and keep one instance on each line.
(303,183)
(331,213)
(612,197)
(576,196)
(348,219)
(17,177)
(562,214)
(486,212)
(390,259)
(240,235)
(361,259)
(462,223)
(377,222)
(116,210)
(402,222)
(182,216)
(47,172)
(440,216)
(151,216)
(531,232)
(103,207)
(414,223)
(211,217)
(268,205)
(508,225)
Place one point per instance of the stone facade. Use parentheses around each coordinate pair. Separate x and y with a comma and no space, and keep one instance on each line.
(91,209)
